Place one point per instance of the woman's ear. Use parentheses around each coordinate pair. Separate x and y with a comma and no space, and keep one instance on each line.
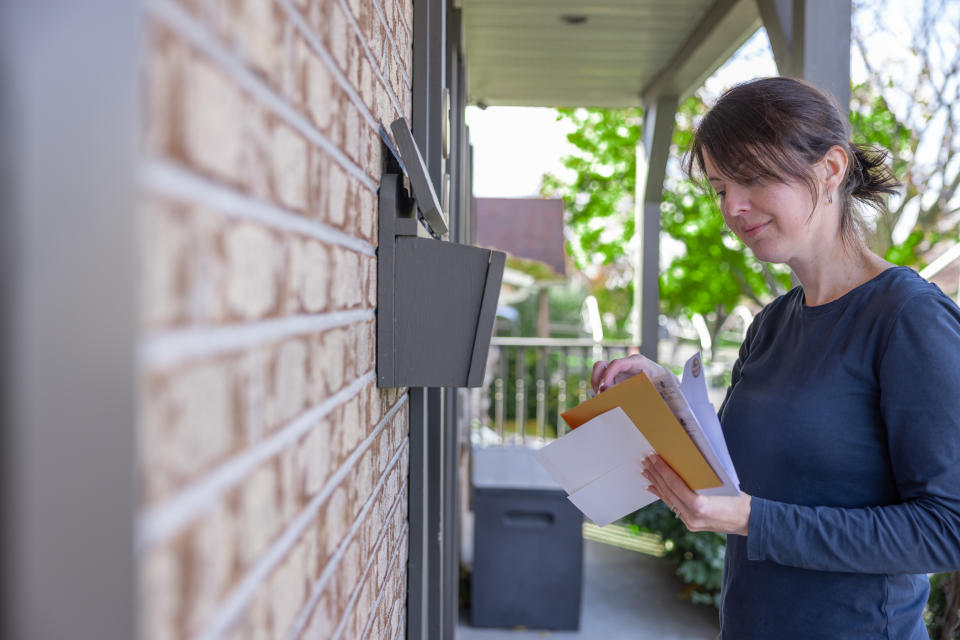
(834,168)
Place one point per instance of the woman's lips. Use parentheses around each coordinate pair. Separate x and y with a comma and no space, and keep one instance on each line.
(753,230)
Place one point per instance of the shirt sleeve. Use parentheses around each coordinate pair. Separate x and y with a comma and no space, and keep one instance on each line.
(919,379)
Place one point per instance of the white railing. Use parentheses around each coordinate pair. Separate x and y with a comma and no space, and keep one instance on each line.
(530,382)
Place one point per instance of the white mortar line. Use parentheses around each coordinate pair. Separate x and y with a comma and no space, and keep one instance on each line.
(177,17)
(317,45)
(394,48)
(330,568)
(235,603)
(160,522)
(373,63)
(366,570)
(163,177)
(402,19)
(168,348)
(390,566)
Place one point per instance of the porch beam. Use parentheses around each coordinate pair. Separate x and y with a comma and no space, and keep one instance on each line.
(724,27)
(777,17)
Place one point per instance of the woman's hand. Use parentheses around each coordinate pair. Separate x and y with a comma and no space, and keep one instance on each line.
(722,514)
(606,374)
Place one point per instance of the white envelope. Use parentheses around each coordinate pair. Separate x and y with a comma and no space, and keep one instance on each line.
(614,495)
(599,464)
(693,386)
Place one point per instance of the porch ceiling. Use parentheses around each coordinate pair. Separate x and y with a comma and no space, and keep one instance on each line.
(540,52)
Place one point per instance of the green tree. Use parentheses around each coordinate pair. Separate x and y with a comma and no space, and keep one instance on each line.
(598,202)
(922,78)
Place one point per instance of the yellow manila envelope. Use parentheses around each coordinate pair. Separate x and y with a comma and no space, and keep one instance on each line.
(642,403)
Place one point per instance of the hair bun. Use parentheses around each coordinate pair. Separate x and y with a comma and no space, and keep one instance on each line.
(870,179)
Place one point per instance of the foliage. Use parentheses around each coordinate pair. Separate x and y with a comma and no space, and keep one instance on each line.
(874,123)
(598,203)
(922,78)
(942,614)
(539,271)
(699,556)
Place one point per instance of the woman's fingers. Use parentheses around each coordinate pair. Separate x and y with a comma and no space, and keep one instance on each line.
(606,374)
(615,369)
(670,487)
(620,370)
(598,368)
(699,513)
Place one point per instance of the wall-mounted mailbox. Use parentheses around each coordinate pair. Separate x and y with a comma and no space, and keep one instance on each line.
(436,300)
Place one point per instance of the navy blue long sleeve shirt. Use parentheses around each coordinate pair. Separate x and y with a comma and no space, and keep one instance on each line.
(843,421)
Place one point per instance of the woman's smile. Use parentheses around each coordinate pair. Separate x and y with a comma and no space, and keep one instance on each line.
(752,230)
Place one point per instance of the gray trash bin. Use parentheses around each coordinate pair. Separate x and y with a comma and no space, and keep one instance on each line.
(528,544)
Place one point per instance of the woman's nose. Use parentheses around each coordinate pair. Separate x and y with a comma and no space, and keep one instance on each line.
(736,201)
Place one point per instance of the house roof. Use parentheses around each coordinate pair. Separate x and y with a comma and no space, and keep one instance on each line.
(599,53)
(530,228)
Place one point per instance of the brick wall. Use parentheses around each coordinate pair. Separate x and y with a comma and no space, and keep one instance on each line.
(272,471)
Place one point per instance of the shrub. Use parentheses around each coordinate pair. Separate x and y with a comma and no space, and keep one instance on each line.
(942,614)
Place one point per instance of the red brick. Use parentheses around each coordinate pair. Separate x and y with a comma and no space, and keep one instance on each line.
(168,263)
(255,30)
(189,420)
(286,383)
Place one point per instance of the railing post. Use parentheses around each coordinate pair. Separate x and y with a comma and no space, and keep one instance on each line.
(498,405)
(521,408)
(571,375)
(584,374)
(562,391)
(542,355)
(501,389)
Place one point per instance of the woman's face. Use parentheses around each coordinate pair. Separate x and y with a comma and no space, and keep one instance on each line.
(772,218)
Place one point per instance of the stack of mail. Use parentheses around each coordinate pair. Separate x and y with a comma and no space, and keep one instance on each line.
(599,463)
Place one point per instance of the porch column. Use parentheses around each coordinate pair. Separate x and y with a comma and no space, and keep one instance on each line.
(652,156)
(68,318)
(811,40)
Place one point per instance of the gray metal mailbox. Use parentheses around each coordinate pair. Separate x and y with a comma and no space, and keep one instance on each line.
(436,300)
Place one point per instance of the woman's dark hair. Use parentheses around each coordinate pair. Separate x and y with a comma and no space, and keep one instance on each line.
(776,129)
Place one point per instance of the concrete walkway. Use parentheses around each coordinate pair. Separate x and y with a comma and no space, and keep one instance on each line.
(627,596)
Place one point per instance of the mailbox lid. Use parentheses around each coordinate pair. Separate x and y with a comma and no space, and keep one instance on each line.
(510,467)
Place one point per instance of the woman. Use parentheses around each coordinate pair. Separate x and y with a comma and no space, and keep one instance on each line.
(843,414)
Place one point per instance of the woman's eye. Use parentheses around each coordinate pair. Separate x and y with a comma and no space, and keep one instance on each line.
(721,194)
